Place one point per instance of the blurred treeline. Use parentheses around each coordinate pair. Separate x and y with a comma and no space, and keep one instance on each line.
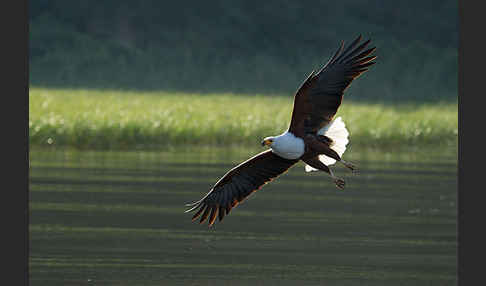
(242,46)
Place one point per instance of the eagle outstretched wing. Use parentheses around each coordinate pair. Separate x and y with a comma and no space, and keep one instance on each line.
(238,183)
(319,97)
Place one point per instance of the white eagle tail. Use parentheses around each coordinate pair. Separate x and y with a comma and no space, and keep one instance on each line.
(336,130)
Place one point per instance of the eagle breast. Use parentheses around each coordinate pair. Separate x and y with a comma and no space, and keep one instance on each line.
(288,146)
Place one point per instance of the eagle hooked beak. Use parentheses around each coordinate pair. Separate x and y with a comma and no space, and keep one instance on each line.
(267,142)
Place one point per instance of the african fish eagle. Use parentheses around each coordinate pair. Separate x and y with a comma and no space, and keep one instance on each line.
(314,136)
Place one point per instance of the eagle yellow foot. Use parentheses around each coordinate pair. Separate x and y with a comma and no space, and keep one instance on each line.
(350,166)
(339,182)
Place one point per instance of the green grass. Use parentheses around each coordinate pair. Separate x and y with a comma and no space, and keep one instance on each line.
(127,119)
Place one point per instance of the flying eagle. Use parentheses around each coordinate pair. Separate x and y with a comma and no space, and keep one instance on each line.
(314,136)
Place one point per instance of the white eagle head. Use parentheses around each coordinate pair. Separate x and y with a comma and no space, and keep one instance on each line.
(286,145)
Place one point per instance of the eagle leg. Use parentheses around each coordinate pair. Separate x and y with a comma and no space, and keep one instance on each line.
(324,139)
(321,145)
(350,166)
(314,162)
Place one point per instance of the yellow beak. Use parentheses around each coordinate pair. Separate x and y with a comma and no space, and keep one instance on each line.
(266,142)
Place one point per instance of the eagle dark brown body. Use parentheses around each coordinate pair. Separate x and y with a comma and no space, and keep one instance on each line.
(315,104)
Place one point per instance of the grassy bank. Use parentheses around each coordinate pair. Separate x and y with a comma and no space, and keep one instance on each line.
(119,120)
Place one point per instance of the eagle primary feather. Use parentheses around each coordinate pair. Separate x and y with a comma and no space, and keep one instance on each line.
(239,183)
(318,99)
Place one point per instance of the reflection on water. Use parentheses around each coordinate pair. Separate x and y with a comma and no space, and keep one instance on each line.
(117,218)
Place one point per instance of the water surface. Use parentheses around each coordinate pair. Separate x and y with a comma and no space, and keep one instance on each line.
(117,218)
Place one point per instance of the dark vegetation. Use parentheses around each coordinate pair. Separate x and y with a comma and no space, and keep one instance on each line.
(242,46)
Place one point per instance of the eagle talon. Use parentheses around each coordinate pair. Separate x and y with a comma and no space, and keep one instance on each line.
(339,183)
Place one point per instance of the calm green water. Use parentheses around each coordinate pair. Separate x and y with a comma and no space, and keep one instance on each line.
(117,218)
